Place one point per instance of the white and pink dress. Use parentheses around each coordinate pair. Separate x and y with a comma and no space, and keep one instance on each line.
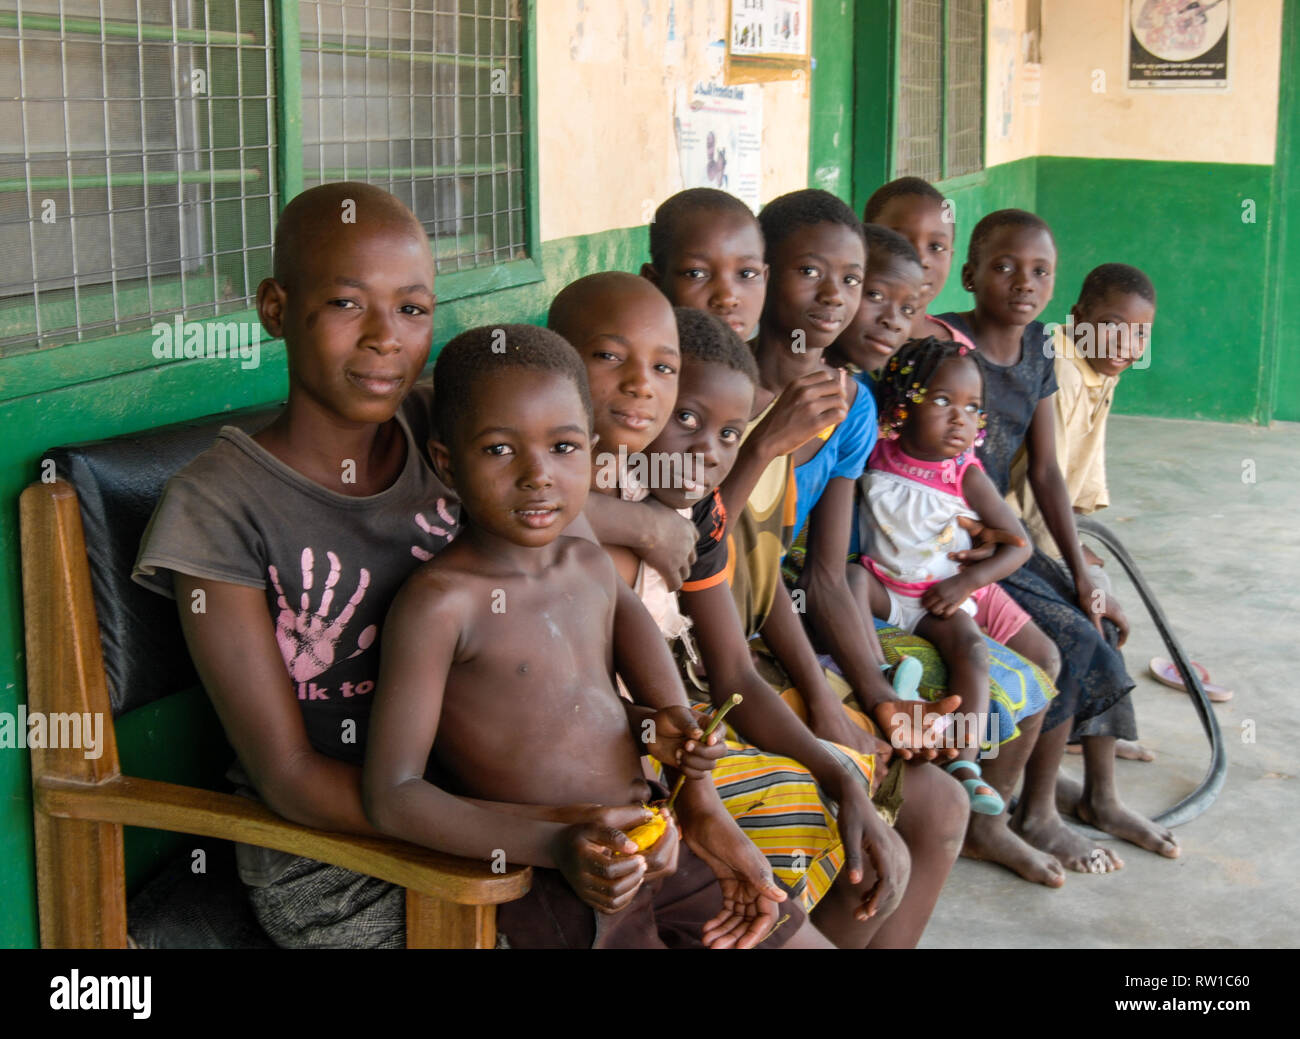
(907,516)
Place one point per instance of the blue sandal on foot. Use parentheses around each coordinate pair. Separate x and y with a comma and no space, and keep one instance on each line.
(984,804)
(907,678)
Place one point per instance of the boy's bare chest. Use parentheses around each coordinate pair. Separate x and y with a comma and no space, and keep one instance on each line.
(535,671)
(559,628)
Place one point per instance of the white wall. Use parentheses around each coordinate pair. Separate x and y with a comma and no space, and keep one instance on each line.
(605,110)
(1082,38)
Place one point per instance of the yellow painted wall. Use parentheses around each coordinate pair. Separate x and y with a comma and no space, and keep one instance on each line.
(1237,125)
(605,110)
(1011,124)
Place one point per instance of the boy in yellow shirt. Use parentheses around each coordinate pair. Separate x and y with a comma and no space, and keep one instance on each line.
(1108,332)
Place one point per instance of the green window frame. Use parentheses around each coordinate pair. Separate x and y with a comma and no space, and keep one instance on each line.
(27,367)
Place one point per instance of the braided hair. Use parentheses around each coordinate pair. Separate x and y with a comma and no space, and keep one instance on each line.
(906,377)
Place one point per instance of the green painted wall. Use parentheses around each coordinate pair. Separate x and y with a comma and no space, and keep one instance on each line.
(830,117)
(1182,223)
(873,109)
(1013,184)
(67,394)
(1222,282)
(1280,380)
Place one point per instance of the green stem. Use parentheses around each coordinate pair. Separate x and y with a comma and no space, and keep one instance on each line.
(713,724)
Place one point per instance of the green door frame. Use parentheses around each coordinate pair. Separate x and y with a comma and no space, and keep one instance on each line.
(851,108)
(875,81)
(1279,370)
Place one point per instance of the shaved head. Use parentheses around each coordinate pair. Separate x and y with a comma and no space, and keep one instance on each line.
(586,303)
(322,215)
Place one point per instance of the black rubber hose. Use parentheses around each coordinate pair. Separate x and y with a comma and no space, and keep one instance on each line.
(1203,796)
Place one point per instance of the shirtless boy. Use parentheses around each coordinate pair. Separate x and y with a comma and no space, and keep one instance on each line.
(498,660)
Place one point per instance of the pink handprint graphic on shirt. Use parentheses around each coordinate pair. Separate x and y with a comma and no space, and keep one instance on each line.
(448,532)
(308,640)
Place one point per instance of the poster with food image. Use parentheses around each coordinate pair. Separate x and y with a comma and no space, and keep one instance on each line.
(1178,44)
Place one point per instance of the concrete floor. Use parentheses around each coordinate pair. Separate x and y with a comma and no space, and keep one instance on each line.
(1222,555)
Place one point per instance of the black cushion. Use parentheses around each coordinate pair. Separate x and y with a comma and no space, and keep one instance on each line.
(119,482)
(181,909)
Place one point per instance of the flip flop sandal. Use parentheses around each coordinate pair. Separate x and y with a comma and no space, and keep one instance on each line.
(983,804)
(907,678)
(1166,673)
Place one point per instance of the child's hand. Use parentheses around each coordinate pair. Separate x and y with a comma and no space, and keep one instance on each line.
(984,541)
(674,736)
(586,856)
(806,406)
(913,727)
(1090,557)
(1097,604)
(661,857)
(861,831)
(1114,613)
(837,727)
(944,598)
(669,544)
(750,897)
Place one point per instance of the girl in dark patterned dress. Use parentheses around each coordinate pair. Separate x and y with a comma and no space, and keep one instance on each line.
(1010,269)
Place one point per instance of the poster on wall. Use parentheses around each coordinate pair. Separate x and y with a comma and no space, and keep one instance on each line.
(719,131)
(1178,44)
(768,41)
(1002,58)
(769,28)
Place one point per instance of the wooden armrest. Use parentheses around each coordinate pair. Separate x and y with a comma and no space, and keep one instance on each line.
(129,801)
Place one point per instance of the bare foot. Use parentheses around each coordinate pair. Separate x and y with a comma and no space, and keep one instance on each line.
(1072,849)
(1129,750)
(1069,792)
(988,839)
(1110,815)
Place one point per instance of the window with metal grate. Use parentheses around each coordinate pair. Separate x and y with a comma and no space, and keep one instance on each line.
(136,164)
(940,100)
(142,145)
(423,99)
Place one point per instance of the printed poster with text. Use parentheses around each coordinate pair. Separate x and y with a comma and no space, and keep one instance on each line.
(769,28)
(720,137)
(1178,44)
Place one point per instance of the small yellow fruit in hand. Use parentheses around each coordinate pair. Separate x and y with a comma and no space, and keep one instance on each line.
(647,834)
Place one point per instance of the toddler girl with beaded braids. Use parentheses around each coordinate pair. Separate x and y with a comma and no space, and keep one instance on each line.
(921,476)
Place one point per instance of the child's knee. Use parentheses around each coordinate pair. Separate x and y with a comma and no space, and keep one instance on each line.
(976,652)
(1033,644)
(1051,662)
(901,876)
(936,810)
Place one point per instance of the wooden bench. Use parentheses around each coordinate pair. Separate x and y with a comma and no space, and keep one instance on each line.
(109,661)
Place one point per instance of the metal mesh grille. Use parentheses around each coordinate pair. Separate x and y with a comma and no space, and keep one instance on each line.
(940,89)
(965,75)
(136,164)
(422,98)
(920,85)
